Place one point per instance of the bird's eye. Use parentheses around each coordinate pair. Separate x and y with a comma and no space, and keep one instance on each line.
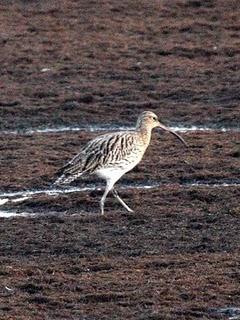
(155,118)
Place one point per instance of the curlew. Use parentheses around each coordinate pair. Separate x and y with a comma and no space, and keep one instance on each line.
(111,155)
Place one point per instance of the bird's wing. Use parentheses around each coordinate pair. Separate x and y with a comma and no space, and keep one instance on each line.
(107,150)
(103,151)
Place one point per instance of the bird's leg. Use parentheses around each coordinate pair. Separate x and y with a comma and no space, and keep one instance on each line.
(108,188)
(121,201)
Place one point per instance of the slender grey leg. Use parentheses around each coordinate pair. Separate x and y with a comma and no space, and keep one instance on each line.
(121,201)
(108,188)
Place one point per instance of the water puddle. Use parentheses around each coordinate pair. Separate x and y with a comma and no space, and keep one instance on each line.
(97,128)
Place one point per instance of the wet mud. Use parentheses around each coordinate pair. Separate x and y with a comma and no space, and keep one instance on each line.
(91,63)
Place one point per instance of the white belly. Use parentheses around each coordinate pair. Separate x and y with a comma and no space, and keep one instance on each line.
(109,174)
(115,173)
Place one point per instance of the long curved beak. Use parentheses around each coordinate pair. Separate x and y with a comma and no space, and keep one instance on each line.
(174,133)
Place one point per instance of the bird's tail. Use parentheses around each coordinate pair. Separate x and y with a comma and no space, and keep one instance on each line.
(64,179)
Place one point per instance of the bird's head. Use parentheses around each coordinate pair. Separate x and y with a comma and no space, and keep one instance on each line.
(149,120)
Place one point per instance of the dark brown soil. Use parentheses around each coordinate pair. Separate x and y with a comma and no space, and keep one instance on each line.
(179,58)
(178,255)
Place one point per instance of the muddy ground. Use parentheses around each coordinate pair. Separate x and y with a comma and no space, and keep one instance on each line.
(102,62)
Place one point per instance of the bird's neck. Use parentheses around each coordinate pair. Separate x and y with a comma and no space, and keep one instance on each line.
(145,133)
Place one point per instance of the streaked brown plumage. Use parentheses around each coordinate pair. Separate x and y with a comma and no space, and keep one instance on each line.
(112,155)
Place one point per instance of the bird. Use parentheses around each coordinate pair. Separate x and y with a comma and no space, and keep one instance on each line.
(111,155)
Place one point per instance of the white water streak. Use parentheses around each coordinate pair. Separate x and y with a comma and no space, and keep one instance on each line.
(211,185)
(50,192)
(20,199)
(24,195)
(3,201)
(96,128)
(9,214)
(20,196)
